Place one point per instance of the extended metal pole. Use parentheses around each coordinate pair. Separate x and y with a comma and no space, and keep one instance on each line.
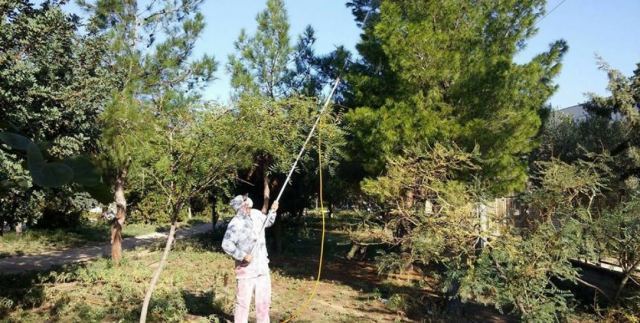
(313,129)
(302,149)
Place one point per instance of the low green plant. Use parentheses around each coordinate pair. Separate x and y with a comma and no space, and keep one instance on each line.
(168,307)
(5,306)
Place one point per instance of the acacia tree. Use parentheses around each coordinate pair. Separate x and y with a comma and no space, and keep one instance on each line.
(434,70)
(435,216)
(619,116)
(260,69)
(610,127)
(618,236)
(194,150)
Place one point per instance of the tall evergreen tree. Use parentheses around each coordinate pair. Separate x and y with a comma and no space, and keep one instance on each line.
(267,71)
(159,78)
(445,71)
(260,69)
(261,64)
(621,113)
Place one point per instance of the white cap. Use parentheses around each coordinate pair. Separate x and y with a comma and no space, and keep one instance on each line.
(240,200)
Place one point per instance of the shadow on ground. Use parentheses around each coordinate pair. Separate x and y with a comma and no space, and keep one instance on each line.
(204,304)
(26,290)
(299,260)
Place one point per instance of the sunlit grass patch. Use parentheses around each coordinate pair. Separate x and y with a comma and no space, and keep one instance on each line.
(34,241)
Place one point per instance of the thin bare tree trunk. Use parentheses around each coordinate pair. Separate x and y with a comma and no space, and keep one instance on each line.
(266,192)
(156,274)
(118,222)
(625,278)
(214,212)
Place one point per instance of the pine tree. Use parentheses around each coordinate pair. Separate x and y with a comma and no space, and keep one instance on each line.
(261,64)
(444,71)
(268,74)
(158,81)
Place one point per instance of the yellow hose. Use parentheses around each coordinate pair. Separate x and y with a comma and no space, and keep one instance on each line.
(304,305)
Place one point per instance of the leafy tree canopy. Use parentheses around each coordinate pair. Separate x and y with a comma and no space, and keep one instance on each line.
(433,71)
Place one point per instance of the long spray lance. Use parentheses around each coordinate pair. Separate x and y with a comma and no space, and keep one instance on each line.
(313,129)
(302,149)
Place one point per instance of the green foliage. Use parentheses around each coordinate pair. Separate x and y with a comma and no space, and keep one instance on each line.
(153,121)
(168,307)
(261,64)
(275,86)
(5,306)
(54,81)
(619,230)
(278,128)
(558,228)
(430,206)
(54,84)
(438,217)
(610,127)
(618,237)
(596,181)
(434,70)
(516,270)
(569,139)
(78,170)
(621,110)
(569,190)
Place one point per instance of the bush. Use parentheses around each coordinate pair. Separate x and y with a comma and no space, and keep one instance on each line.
(5,306)
(153,208)
(397,303)
(168,307)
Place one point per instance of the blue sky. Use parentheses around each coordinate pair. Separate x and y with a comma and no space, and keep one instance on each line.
(331,19)
(591,27)
(607,28)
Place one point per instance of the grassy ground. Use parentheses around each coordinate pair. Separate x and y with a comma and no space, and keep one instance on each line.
(198,286)
(36,241)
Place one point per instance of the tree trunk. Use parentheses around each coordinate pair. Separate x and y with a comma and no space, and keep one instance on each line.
(277,235)
(214,212)
(330,214)
(623,283)
(118,222)
(156,274)
(266,190)
(353,251)
(454,304)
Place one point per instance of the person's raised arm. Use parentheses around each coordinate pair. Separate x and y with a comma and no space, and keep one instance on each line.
(271,216)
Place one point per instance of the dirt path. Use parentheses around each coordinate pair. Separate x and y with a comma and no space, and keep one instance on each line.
(46,260)
(352,291)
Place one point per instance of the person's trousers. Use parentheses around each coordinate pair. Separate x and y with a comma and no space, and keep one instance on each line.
(245,290)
